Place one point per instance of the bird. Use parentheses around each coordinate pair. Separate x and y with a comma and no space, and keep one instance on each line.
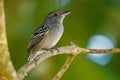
(47,35)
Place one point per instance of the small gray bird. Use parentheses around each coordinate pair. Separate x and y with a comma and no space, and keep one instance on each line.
(48,34)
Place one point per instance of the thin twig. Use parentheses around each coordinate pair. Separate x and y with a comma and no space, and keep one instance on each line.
(95,51)
(65,67)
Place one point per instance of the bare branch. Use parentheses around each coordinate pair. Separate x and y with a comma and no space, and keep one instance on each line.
(28,66)
(95,51)
(72,49)
(65,67)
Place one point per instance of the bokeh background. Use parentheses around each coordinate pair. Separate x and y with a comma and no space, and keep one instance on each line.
(92,24)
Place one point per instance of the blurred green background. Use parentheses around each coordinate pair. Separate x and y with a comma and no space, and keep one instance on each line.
(92,24)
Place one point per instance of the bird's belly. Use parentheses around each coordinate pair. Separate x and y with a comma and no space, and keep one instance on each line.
(51,39)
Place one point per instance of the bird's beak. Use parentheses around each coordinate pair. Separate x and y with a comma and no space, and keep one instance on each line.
(65,13)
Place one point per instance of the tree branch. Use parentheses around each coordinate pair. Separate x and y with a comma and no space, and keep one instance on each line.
(7,71)
(65,67)
(71,50)
(95,51)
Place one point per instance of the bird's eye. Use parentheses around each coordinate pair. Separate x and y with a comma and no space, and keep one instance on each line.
(55,14)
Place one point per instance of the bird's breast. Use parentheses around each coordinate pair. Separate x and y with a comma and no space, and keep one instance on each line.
(51,38)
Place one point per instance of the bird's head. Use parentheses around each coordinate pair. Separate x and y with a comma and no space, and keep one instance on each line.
(56,16)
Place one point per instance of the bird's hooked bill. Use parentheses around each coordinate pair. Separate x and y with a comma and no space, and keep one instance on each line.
(66,12)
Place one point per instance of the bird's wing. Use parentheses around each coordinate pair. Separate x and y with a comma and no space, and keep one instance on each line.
(37,37)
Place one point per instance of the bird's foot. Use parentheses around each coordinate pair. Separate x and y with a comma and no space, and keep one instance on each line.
(50,49)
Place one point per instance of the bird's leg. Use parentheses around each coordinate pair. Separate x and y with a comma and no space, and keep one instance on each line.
(48,49)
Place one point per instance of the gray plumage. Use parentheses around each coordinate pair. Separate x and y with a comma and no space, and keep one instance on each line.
(48,34)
